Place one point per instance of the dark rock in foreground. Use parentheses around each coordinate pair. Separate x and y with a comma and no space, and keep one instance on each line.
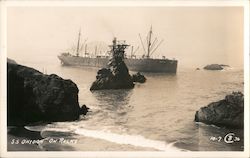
(116,76)
(228,112)
(138,77)
(11,61)
(215,67)
(33,97)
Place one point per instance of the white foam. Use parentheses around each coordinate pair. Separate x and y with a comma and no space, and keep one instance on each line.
(34,128)
(135,140)
(210,125)
(45,128)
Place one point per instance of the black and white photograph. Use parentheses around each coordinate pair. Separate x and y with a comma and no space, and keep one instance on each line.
(133,77)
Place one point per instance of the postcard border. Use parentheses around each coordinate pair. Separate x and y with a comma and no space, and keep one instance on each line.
(3,85)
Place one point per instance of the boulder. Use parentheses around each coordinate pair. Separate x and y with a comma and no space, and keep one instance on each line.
(36,97)
(138,77)
(84,109)
(228,112)
(116,75)
(116,79)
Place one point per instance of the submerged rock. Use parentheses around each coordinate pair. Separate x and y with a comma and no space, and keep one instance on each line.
(33,97)
(215,67)
(228,112)
(138,77)
(116,76)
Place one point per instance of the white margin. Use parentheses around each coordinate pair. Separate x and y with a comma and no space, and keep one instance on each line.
(246,79)
(3,83)
(141,3)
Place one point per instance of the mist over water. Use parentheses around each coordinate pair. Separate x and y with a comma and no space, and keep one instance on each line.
(157,115)
(196,36)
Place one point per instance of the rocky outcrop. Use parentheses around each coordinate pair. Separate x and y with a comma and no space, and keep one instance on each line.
(116,76)
(138,77)
(215,67)
(228,112)
(33,97)
(119,78)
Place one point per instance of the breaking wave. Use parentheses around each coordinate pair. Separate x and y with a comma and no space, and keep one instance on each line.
(135,140)
(123,139)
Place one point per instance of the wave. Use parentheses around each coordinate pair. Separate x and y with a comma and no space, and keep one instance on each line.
(210,125)
(135,140)
(125,139)
(35,128)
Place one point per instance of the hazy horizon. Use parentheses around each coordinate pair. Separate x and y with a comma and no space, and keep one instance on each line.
(195,36)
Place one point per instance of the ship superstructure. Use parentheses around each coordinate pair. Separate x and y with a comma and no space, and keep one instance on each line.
(143,64)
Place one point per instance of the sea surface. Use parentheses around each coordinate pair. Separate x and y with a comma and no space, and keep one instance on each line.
(155,116)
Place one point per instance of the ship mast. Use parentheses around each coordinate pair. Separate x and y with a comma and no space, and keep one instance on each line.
(149,41)
(150,46)
(86,47)
(132,49)
(78,43)
(95,50)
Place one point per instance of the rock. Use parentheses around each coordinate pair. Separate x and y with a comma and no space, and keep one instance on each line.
(33,97)
(84,109)
(116,76)
(228,112)
(138,77)
(213,67)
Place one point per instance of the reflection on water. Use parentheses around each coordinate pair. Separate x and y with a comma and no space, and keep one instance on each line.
(112,106)
(113,99)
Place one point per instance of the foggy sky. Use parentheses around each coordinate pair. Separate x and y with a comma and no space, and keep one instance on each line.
(195,36)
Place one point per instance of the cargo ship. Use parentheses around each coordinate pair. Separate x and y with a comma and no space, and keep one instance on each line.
(145,63)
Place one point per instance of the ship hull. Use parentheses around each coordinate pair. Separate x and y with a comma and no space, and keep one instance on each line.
(141,65)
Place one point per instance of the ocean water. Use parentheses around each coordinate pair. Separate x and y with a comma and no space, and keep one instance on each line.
(155,116)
